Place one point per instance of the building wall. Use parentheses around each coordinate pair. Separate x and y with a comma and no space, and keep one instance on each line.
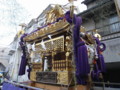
(4,56)
(89,25)
(91,5)
(109,27)
(112,52)
(2,67)
(4,62)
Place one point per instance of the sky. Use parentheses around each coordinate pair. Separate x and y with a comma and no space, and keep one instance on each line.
(37,6)
(27,10)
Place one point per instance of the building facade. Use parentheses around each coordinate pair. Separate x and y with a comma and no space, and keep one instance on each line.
(4,57)
(102,16)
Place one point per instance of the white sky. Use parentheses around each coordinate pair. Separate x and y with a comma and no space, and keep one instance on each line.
(37,6)
(34,8)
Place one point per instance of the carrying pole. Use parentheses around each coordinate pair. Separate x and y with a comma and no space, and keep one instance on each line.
(71,28)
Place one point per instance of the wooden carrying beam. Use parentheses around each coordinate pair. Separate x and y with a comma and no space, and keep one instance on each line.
(53,87)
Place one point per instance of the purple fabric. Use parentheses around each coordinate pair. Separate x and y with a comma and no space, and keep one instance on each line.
(80,50)
(29,70)
(5,86)
(8,86)
(99,44)
(81,56)
(23,57)
(24,35)
(104,47)
(23,65)
(99,67)
(82,65)
(100,61)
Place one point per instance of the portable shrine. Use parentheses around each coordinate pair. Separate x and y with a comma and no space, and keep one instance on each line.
(61,52)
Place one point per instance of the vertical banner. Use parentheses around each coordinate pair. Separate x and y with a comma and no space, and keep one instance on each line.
(117,4)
